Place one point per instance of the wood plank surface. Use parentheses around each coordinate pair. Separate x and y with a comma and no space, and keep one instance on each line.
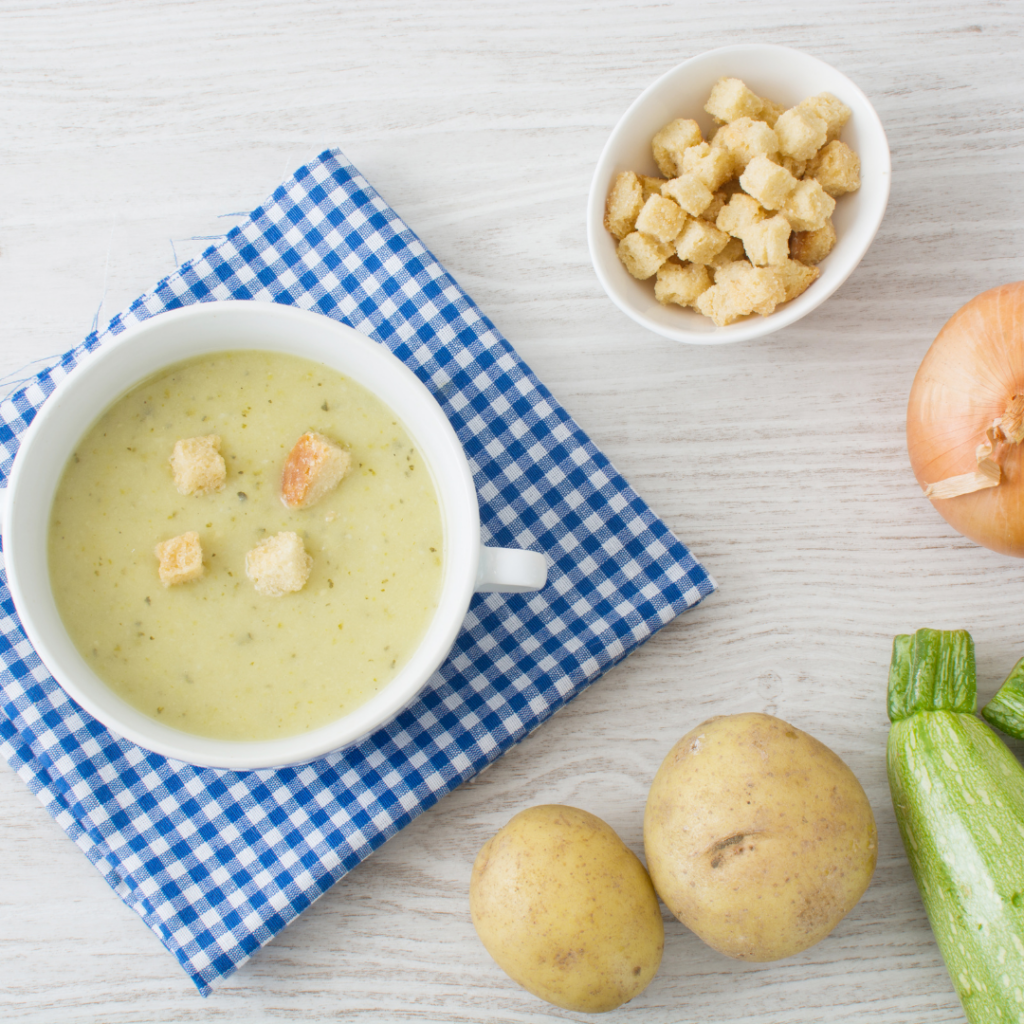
(133,130)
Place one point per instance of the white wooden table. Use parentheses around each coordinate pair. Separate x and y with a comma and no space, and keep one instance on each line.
(130,130)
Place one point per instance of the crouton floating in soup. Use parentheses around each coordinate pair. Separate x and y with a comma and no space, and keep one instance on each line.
(315,466)
(278,565)
(181,559)
(198,466)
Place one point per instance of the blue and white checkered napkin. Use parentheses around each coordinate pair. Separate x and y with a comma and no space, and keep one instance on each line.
(216,863)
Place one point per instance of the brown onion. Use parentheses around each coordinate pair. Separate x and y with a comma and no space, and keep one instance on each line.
(965,420)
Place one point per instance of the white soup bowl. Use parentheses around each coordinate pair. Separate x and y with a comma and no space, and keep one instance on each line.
(156,344)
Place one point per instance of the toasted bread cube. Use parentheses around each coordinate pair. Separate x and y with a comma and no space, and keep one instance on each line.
(737,270)
(670,143)
(767,242)
(771,112)
(836,168)
(740,289)
(693,156)
(181,559)
(725,303)
(651,186)
(689,192)
(641,255)
(730,99)
(795,167)
(714,208)
(625,200)
(831,110)
(733,251)
(767,182)
(738,213)
(744,139)
(314,467)
(278,565)
(712,304)
(801,133)
(700,242)
(714,167)
(795,277)
(813,246)
(661,219)
(758,289)
(808,206)
(681,283)
(198,466)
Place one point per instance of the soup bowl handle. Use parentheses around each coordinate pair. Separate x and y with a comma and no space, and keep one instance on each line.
(510,571)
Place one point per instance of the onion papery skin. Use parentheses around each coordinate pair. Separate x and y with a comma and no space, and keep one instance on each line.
(969,376)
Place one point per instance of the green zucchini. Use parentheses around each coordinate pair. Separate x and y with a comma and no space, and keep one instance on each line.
(958,793)
(1006,709)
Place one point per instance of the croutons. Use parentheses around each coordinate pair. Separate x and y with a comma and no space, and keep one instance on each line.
(315,466)
(650,186)
(689,192)
(181,559)
(744,139)
(831,110)
(624,203)
(733,251)
(795,277)
(808,206)
(767,242)
(671,142)
(730,100)
(278,565)
(700,242)
(747,212)
(795,167)
(772,112)
(661,219)
(713,166)
(693,155)
(767,182)
(712,210)
(681,283)
(836,168)
(801,133)
(740,289)
(198,466)
(641,255)
(813,246)
(738,213)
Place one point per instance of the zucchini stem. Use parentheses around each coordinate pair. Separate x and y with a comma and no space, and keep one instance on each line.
(932,670)
(1006,709)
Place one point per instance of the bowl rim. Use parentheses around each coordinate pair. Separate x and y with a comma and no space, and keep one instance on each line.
(750,327)
(422,417)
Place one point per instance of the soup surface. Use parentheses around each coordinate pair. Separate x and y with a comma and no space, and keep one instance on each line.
(213,657)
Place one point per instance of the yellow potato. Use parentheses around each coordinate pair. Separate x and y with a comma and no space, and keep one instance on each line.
(758,837)
(567,910)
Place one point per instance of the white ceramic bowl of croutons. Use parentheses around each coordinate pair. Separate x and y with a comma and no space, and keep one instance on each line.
(785,77)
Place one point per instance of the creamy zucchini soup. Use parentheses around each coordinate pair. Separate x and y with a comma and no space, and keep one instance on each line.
(232,610)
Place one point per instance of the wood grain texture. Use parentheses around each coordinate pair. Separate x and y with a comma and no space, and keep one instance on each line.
(132,131)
